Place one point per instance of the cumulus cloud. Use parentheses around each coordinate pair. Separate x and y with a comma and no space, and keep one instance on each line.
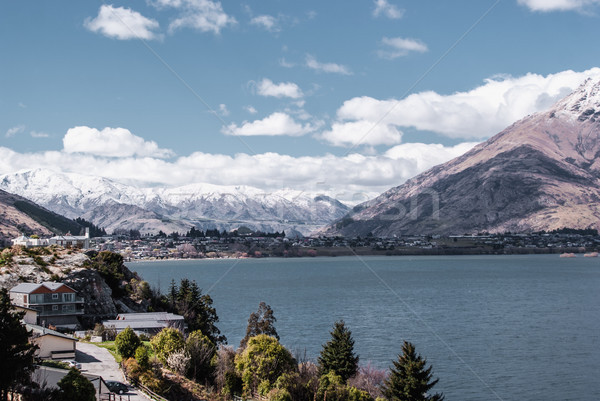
(475,114)
(110,142)
(558,5)
(384,8)
(122,23)
(14,131)
(352,178)
(267,22)
(266,87)
(399,47)
(276,124)
(203,15)
(313,64)
(361,133)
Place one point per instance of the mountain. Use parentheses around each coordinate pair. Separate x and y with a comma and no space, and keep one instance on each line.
(113,205)
(18,215)
(541,173)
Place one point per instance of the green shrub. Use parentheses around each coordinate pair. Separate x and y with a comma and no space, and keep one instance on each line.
(127,342)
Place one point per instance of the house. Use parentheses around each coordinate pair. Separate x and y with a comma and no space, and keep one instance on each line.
(146,323)
(30,316)
(56,303)
(29,242)
(52,344)
(72,241)
(66,241)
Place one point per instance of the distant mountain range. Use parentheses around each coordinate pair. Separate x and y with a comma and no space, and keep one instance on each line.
(112,205)
(541,173)
(19,215)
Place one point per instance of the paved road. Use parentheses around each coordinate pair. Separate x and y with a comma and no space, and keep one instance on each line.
(98,361)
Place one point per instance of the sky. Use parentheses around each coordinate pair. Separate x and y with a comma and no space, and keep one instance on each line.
(348,98)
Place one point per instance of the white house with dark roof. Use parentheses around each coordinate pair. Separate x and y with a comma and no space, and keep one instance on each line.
(72,241)
(56,303)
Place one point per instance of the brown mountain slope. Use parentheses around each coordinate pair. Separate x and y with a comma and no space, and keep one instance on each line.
(541,173)
(19,215)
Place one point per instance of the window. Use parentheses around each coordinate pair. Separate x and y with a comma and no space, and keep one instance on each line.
(54,296)
(68,297)
(54,307)
(68,308)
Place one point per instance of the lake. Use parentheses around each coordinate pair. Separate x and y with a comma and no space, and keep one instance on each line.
(519,327)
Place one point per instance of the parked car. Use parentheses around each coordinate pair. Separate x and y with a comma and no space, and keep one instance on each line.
(117,387)
(73,364)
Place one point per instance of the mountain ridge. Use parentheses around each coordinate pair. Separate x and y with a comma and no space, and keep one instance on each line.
(540,173)
(113,205)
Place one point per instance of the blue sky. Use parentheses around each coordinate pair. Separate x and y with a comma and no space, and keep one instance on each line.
(348,97)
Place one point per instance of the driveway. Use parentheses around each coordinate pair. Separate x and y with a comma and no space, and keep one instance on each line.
(98,361)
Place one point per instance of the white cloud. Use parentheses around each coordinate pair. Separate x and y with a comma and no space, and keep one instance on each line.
(110,142)
(250,109)
(284,63)
(203,15)
(351,178)
(383,7)
(399,47)
(36,134)
(274,125)
(122,23)
(267,22)
(223,110)
(14,131)
(476,114)
(313,64)
(558,5)
(361,133)
(266,87)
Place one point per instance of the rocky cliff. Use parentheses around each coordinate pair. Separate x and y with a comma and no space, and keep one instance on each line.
(106,285)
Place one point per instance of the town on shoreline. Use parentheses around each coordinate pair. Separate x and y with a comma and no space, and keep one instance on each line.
(259,245)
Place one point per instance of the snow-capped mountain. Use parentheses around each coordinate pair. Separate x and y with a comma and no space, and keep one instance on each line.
(112,205)
(541,173)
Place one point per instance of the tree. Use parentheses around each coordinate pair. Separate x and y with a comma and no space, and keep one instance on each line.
(201,352)
(262,362)
(16,354)
(196,308)
(338,354)
(166,342)
(127,342)
(409,379)
(260,322)
(142,357)
(76,387)
(332,388)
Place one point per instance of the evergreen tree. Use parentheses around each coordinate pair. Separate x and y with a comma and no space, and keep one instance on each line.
(260,322)
(338,354)
(76,387)
(16,354)
(409,379)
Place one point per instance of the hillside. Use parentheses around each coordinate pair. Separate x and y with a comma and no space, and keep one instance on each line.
(541,173)
(19,215)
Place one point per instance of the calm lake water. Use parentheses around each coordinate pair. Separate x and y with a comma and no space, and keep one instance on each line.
(493,327)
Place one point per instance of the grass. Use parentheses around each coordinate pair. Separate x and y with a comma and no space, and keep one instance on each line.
(112,348)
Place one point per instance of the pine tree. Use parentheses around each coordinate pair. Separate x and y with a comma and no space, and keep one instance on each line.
(338,354)
(409,379)
(260,322)
(16,354)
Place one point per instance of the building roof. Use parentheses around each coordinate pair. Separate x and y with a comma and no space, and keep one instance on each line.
(28,288)
(43,331)
(149,316)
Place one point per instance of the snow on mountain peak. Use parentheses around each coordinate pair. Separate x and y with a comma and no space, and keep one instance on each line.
(581,105)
